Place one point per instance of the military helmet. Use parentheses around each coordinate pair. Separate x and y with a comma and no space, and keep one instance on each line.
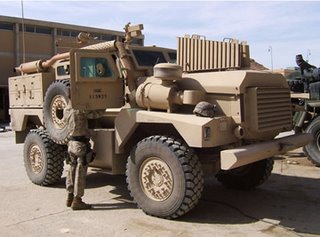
(204,109)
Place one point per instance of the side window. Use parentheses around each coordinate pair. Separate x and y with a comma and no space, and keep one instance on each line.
(94,68)
(63,70)
(173,57)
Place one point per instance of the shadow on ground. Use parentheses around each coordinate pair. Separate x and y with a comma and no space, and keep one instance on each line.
(289,202)
(284,201)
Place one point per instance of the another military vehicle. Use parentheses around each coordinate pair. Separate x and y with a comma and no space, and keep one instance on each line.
(164,125)
(306,101)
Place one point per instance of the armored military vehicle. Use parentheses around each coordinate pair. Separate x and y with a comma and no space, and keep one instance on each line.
(162,124)
(306,100)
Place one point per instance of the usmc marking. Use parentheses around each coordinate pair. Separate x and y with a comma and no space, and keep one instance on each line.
(97,96)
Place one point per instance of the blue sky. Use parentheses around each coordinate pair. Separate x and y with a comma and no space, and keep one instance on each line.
(289,27)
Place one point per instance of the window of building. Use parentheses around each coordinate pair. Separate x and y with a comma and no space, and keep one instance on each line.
(137,42)
(65,33)
(43,30)
(108,37)
(6,26)
(36,29)
(74,33)
(104,37)
(29,28)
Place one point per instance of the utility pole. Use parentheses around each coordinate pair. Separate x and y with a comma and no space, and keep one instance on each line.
(23,40)
(271,57)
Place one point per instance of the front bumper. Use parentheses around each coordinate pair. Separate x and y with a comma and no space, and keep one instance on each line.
(233,158)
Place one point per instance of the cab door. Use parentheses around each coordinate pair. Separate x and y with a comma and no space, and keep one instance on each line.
(95,81)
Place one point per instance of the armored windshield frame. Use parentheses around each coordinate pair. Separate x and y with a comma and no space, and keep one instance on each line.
(144,63)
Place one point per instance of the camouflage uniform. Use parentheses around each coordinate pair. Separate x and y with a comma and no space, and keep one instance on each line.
(80,155)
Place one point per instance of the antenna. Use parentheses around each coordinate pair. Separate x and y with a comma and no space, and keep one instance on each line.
(23,40)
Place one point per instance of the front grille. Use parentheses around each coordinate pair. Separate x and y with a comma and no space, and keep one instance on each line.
(270,109)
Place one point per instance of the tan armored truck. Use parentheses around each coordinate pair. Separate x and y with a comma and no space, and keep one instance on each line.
(162,124)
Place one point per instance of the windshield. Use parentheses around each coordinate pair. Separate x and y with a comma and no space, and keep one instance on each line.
(148,58)
(173,57)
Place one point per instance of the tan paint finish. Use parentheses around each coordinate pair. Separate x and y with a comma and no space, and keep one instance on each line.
(28,91)
(233,82)
(189,126)
(20,116)
(95,93)
(103,145)
(139,98)
(237,157)
(195,53)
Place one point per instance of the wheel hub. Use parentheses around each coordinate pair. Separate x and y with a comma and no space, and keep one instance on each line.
(36,161)
(156,179)
(57,107)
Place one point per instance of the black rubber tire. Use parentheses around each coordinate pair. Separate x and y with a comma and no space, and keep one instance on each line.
(312,150)
(50,158)
(247,177)
(186,171)
(57,126)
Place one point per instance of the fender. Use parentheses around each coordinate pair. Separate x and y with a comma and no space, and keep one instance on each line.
(196,131)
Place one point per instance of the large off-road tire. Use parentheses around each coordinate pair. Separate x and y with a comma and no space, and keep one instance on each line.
(164,177)
(312,150)
(55,120)
(43,158)
(247,177)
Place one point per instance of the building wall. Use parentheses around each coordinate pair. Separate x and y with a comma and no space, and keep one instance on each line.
(40,40)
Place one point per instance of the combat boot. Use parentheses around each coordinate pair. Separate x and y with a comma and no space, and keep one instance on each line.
(69,199)
(78,204)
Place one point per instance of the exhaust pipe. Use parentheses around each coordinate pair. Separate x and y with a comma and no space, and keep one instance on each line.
(39,65)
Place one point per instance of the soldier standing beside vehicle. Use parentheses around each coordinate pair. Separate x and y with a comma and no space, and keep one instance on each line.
(80,155)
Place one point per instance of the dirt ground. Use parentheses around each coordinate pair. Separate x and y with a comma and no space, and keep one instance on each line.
(288,204)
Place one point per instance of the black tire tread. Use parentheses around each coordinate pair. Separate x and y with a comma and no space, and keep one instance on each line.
(55,159)
(191,167)
(257,173)
(66,84)
(311,150)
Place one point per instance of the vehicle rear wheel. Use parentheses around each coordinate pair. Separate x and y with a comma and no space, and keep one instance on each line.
(164,177)
(55,120)
(248,176)
(312,150)
(43,159)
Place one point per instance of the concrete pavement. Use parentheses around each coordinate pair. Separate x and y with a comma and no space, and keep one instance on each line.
(288,204)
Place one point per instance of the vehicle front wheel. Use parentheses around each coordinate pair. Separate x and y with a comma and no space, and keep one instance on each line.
(43,158)
(164,177)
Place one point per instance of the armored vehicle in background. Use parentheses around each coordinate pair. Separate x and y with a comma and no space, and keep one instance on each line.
(162,124)
(306,101)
